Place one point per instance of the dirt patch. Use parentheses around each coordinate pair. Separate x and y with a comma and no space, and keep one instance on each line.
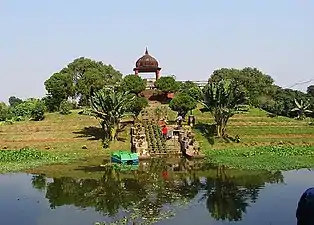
(280,136)
(41,140)
(277,124)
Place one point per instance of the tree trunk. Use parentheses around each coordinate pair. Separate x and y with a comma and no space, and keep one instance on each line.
(224,125)
(221,124)
(113,132)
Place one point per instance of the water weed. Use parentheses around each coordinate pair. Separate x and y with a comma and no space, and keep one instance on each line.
(264,157)
(16,160)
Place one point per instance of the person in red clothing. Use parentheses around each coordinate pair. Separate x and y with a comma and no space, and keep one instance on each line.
(164,131)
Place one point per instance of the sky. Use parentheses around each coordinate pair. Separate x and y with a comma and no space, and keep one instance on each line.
(190,39)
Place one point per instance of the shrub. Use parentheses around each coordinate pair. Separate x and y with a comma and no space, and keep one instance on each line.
(4,111)
(65,107)
(38,111)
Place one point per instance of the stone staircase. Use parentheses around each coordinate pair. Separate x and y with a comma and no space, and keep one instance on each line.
(156,144)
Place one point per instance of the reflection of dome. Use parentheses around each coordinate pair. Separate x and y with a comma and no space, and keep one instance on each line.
(146,61)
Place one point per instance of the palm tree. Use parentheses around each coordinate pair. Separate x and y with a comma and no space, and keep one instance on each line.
(223,99)
(110,105)
(301,109)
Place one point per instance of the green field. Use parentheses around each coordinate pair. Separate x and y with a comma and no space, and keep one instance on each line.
(77,136)
(277,143)
(256,129)
(69,137)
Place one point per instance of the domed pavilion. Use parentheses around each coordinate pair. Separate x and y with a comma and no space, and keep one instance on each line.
(147,64)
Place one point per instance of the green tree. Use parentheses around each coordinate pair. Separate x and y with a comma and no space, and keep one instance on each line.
(223,99)
(110,106)
(65,107)
(310,90)
(191,89)
(301,109)
(4,111)
(256,83)
(24,109)
(196,93)
(78,77)
(167,84)
(283,101)
(133,84)
(182,103)
(87,73)
(137,105)
(38,111)
(13,101)
(59,87)
(187,85)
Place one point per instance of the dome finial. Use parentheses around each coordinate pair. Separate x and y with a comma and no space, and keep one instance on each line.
(146,51)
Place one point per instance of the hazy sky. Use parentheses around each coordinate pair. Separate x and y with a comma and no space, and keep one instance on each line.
(189,38)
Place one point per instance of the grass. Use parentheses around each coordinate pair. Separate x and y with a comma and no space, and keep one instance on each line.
(253,132)
(78,136)
(265,157)
(274,143)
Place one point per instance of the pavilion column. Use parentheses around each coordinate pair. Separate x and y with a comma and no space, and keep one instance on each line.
(157,74)
(136,72)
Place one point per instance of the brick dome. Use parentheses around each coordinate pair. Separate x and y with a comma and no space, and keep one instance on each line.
(146,61)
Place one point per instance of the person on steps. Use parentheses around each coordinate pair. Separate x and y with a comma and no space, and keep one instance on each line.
(179,120)
(164,132)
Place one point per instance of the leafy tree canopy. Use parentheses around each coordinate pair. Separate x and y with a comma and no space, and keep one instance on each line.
(78,77)
(4,111)
(109,105)
(310,90)
(191,89)
(167,84)
(223,99)
(137,105)
(13,101)
(182,103)
(133,84)
(256,83)
(187,85)
(60,87)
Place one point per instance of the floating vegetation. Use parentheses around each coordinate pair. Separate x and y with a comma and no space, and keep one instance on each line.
(16,160)
(22,155)
(136,218)
(265,157)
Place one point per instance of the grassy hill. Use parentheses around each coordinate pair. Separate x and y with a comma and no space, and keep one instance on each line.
(69,133)
(255,128)
(59,133)
(79,137)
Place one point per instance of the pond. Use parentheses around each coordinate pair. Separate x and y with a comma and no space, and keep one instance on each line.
(180,192)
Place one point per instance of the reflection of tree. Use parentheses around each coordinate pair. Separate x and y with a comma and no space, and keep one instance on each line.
(228,196)
(39,182)
(146,191)
(225,200)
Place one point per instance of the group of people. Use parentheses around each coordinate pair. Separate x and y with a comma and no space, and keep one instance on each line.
(165,131)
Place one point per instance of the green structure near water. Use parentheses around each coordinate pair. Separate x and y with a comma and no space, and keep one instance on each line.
(124,157)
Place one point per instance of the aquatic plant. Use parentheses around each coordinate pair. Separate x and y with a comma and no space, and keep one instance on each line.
(24,154)
(16,160)
(264,157)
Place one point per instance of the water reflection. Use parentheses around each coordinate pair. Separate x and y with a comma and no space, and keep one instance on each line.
(39,182)
(157,185)
(228,196)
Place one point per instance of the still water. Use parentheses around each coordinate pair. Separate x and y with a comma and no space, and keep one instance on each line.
(186,192)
